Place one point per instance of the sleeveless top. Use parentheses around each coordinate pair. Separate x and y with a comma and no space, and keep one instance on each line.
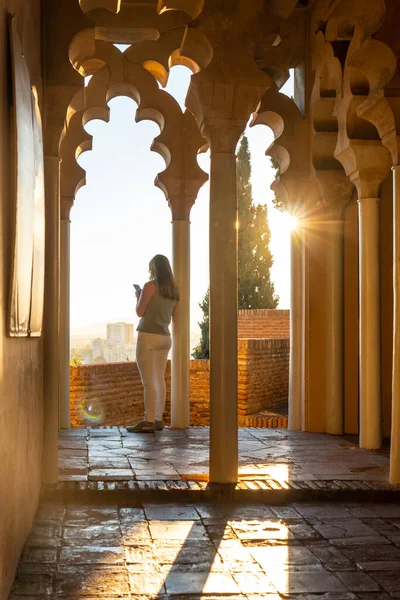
(158,315)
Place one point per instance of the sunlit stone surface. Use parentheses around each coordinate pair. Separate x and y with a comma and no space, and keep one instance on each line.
(329,551)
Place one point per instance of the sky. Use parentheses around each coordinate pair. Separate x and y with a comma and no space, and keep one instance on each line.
(120,219)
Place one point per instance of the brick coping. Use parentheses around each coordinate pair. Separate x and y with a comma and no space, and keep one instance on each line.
(246,491)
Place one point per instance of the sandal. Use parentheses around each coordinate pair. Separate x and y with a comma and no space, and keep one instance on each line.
(141,427)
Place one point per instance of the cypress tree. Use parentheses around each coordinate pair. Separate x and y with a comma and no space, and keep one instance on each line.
(255,289)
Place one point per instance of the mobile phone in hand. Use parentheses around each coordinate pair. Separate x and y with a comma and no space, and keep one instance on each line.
(137,287)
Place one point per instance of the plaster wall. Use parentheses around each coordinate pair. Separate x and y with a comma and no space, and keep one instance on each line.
(21,402)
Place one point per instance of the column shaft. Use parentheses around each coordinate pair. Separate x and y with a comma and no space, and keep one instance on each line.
(395,434)
(180,367)
(296,314)
(334,352)
(51,319)
(223,319)
(370,323)
(64,323)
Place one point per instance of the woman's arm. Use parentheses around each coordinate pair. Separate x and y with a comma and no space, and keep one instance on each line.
(147,292)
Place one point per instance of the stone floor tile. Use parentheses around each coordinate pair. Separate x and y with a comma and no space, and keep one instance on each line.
(361,511)
(323,596)
(82,516)
(261,530)
(329,554)
(50,513)
(286,512)
(139,554)
(27,585)
(44,555)
(103,582)
(145,583)
(305,582)
(180,530)
(84,555)
(201,582)
(110,474)
(103,535)
(170,512)
(303,531)
(376,540)
(135,533)
(380,565)
(386,510)
(131,514)
(365,553)
(236,512)
(209,511)
(190,552)
(283,556)
(357,581)
(253,583)
(388,580)
(323,511)
(373,596)
(345,529)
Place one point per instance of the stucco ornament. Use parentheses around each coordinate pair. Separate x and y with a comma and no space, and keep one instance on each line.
(179,140)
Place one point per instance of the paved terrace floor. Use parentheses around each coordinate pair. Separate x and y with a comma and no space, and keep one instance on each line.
(212,552)
(269,459)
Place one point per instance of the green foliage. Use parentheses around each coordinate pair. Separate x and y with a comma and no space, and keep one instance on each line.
(203,349)
(277,167)
(255,289)
(76,359)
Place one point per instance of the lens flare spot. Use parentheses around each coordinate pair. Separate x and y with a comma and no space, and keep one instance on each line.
(91,412)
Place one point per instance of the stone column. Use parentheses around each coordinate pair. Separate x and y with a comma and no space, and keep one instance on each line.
(222,98)
(395,434)
(296,334)
(64,356)
(370,323)
(334,349)
(180,366)
(51,319)
(223,306)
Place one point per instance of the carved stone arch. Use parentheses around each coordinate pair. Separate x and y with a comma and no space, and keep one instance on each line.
(191,7)
(182,45)
(358,147)
(379,64)
(290,145)
(178,142)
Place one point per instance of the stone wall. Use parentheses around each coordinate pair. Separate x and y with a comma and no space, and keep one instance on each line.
(21,359)
(263,324)
(112,394)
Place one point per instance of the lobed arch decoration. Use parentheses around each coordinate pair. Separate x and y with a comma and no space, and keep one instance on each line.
(359,147)
(281,114)
(191,7)
(333,186)
(115,74)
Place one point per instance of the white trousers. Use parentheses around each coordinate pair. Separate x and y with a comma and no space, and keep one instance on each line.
(151,357)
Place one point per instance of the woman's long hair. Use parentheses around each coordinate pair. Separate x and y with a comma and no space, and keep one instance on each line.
(160,271)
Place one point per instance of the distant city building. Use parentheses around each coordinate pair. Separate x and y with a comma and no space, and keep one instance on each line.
(97,348)
(120,333)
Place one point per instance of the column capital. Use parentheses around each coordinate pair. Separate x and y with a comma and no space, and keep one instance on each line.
(336,190)
(66,203)
(367,163)
(222,104)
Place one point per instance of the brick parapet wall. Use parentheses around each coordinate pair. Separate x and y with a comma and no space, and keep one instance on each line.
(112,393)
(263,323)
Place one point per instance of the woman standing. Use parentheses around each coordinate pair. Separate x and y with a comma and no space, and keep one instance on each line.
(155,305)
